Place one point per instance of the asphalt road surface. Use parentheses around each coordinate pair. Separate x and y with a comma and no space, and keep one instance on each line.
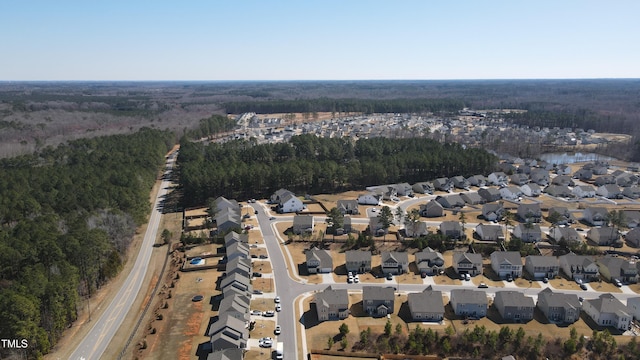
(105,327)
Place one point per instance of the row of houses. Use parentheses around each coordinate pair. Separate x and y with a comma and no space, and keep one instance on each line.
(513,306)
(230,332)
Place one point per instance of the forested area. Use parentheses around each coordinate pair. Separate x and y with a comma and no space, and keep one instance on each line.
(212,125)
(309,164)
(367,106)
(578,118)
(67,215)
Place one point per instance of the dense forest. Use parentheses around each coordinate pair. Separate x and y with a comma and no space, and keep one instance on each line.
(308,164)
(67,215)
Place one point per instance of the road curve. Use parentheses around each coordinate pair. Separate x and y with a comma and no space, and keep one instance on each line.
(104,328)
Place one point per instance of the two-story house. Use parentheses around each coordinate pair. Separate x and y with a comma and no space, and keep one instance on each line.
(426,305)
(429,262)
(617,268)
(394,262)
(579,267)
(319,261)
(514,306)
(607,310)
(541,267)
(506,263)
(469,303)
(467,263)
(332,304)
(378,301)
(358,261)
(559,307)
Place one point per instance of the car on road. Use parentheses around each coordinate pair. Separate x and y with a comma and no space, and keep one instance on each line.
(256,212)
(272,218)
(269,313)
(197,298)
(277,330)
(278,307)
(276,299)
(256,312)
(483,285)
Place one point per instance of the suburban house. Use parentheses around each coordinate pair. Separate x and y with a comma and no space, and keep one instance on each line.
(541,267)
(583,174)
(221,203)
(332,304)
(559,307)
(498,178)
(570,235)
(607,310)
(617,268)
(451,229)
(565,217)
(348,224)
(460,182)
(531,189)
(239,265)
(431,209)
(559,191)
(227,219)
(403,189)
(228,333)
(610,191)
(514,306)
(472,198)
(492,211)
(490,194)
(416,229)
(233,237)
(426,305)
(450,201)
(528,232)
(579,267)
(633,304)
(378,301)
(632,192)
(319,261)
(562,180)
(442,184)
(469,303)
(510,192)
(348,207)
(303,224)
(604,180)
(236,281)
(235,305)
(394,262)
(530,212)
(626,180)
(631,218)
(477,180)
(226,354)
(370,198)
(429,262)
(467,263)
(584,191)
(633,237)
(235,250)
(286,202)
(563,170)
(489,232)
(423,188)
(519,179)
(358,261)
(540,177)
(596,216)
(506,263)
(603,236)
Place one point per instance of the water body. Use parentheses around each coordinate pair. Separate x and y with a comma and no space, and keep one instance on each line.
(570,158)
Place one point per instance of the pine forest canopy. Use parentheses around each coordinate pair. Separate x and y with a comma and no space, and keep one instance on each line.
(309,164)
(67,215)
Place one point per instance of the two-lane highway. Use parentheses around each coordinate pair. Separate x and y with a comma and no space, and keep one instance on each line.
(96,341)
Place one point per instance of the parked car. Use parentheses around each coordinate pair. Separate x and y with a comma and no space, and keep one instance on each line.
(269,313)
(265,342)
(257,292)
(545,280)
(349,279)
(483,285)
(256,312)
(509,278)
(583,286)
(278,307)
(389,276)
(617,283)
(467,277)
(356,279)
(276,299)
(263,257)
(257,274)
(277,330)
(272,218)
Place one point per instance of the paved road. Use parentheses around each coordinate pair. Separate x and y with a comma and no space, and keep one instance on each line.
(105,327)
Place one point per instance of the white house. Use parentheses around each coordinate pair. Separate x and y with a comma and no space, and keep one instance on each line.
(369,199)
(607,310)
(498,178)
(289,203)
(510,192)
(531,189)
(584,191)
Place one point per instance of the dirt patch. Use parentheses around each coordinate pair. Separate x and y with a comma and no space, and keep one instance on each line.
(262,284)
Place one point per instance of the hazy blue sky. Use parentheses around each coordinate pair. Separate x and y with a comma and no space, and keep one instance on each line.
(327,39)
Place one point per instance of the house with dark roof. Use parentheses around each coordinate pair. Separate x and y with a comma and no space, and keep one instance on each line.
(530,212)
(506,263)
(286,202)
(607,310)
(490,194)
(394,262)
(540,267)
(583,174)
(469,303)
(562,180)
(609,191)
(492,211)
(540,177)
(488,232)
(603,236)
(604,180)
(442,184)
(236,305)
(227,219)
(416,229)
(450,201)
(570,235)
(236,281)
(429,262)
(234,237)
(477,180)
(237,249)
(559,307)
(514,306)
(451,229)
(377,300)
(632,192)
(226,354)
(559,191)
(617,268)
(510,192)
(467,263)
(332,304)
(565,217)
(431,209)
(303,224)
(239,265)
(460,182)
(519,179)
(579,267)
(426,305)
(319,261)
(632,237)
(595,215)
(472,198)
(358,261)
(498,178)
(423,187)
(584,191)
(348,207)
(228,333)
(221,203)
(528,232)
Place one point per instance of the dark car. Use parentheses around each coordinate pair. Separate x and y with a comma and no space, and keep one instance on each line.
(197,298)
(389,276)
(583,286)
(257,274)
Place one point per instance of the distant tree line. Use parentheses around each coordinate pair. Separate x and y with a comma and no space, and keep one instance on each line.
(367,106)
(67,215)
(212,125)
(309,164)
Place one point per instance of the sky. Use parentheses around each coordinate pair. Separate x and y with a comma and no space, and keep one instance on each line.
(318,40)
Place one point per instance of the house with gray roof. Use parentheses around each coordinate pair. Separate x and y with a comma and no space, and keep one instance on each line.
(472,198)
(319,261)
(514,306)
(403,189)
(583,174)
(358,261)
(451,229)
(450,201)
(467,263)
(490,194)
(595,215)
(559,307)
(236,281)
(487,232)
(604,180)
(631,218)
(528,232)
(423,187)
(431,209)
(633,304)
(570,235)
(565,217)
(609,191)
(286,202)
(559,191)
(236,305)
(607,310)
(531,189)
(394,262)
(469,303)
(617,268)
(460,182)
(497,178)
(228,333)
(226,354)
(530,212)
(303,224)
(442,184)
(584,191)
(540,177)
(510,192)
(239,265)
(416,229)
(348,207)
(562,180)
(227,219)
(234,237)
(377,300)
(332,304)
(370,198)
(429,262)
(506,263)
(492,211)
(632,192)
(519,179)
(221,203)
(237,249)
(426,305)
(540,267)
(579,267)
(633,237)
(603,236)
(477,180)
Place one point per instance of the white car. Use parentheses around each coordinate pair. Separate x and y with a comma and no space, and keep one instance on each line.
(277,330)
(265,342)
(276,299)
(356,279)
(350,279)
(256,312)
(269,313)
(278,307)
